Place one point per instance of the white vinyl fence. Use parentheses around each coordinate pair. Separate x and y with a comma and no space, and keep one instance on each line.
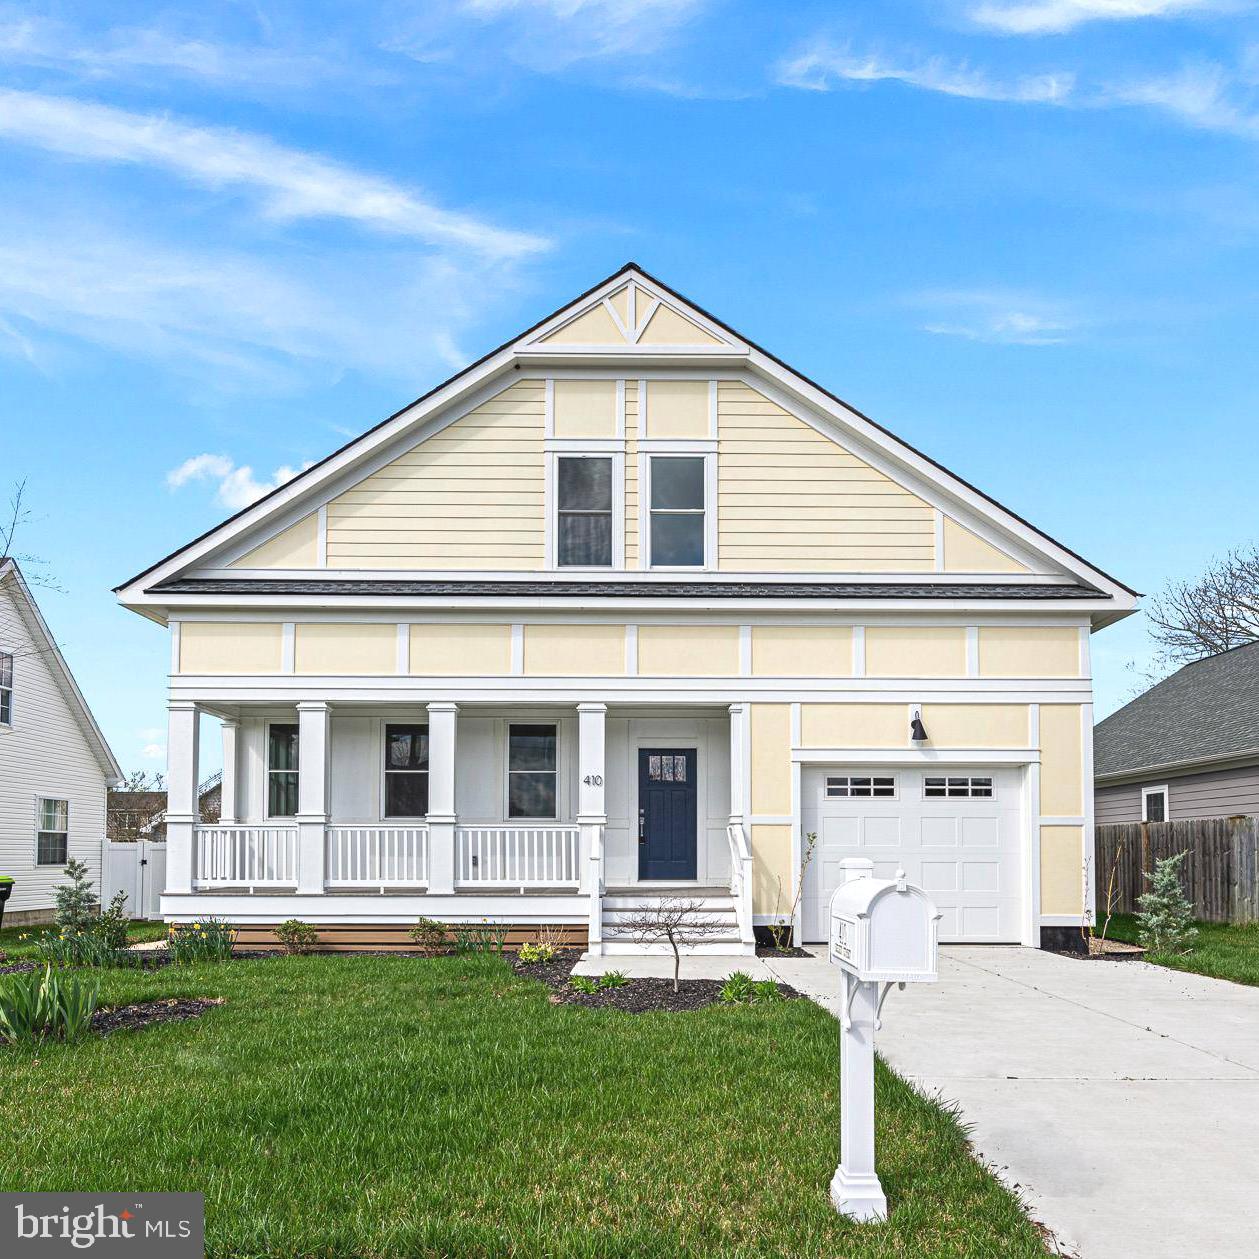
(139,869)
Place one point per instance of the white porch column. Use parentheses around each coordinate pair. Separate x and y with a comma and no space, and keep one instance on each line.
(443,733)
(227,789)
(741,857)
(592,816)
(182,746)
(738,744)
(313,727)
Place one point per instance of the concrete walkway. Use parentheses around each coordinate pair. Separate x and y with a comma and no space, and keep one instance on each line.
(1121,1099)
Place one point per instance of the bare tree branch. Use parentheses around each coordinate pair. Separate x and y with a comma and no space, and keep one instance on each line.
(11,522)
(676,920)
(1212,613)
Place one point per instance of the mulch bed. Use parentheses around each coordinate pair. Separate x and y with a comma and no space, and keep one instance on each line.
(1115,950)
(171,1010)
(768,950)
(638,996)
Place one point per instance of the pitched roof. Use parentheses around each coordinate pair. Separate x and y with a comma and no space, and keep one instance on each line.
(11,579)
(1207,710)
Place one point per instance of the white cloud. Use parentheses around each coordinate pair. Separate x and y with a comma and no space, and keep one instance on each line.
(1205,96)
(995,316)
(237,487)
(822,66)
(1052,17)
(153,752)
(291,184)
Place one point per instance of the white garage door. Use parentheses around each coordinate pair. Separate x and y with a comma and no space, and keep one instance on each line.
(957,835)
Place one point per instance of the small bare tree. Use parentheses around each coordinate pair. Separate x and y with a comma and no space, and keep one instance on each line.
(675,920)
(12,521)
(1215,611)
(780,931)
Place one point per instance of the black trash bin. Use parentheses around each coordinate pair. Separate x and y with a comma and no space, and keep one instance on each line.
(6,890)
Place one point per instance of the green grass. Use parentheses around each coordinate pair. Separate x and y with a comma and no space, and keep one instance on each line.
(377,1106)
(1220,950)
(11,941)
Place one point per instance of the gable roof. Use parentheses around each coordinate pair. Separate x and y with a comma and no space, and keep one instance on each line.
(11,579)
(1205,711)
(720,343)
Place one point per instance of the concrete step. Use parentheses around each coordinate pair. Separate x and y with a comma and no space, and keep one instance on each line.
(722,946)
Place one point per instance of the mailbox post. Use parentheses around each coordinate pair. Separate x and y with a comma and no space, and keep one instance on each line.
(883,932)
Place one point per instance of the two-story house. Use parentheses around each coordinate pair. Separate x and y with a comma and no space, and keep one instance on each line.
(625,607)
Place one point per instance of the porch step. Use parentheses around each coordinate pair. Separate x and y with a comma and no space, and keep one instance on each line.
(712,905)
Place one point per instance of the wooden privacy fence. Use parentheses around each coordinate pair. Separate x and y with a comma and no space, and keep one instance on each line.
(1220,875)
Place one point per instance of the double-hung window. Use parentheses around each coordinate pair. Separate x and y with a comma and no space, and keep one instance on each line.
(406,771)
(281,770)
(531,771)
(53,836)
(1154,804)
(6,688)
(677,511)
(584,511)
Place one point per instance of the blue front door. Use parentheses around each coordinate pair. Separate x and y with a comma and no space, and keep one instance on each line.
(667,811)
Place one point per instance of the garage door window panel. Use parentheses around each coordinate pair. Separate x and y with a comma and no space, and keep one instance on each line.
(847,786)
(957,787)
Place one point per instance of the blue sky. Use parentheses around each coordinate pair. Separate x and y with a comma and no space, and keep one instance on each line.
(1020,233)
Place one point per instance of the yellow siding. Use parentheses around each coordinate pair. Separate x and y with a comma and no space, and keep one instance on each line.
(688,651)
(472,650)
(1061,754)
(771,869)
(1061,870)
(678,408)
(854,725)
(933,651)
(790,499)
(470,496)
(631,474)
(353,647)
(802,651)
(976,725)
(667,327)
(575,650)
(771,758)
(966,552)
(230,646)
(294,547)
(585,408)
(595,327)
(1036,651)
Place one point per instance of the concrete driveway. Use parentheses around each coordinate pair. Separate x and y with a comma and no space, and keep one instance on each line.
(1120,1098)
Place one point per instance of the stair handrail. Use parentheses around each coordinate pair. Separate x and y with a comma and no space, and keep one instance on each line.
(741,878)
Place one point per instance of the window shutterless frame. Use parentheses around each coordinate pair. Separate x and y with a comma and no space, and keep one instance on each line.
(677,495)
(1154,801)
(6,688)
(52,831)
(559,450)
(405,768)
(585,496)
(533,757)
(281,753)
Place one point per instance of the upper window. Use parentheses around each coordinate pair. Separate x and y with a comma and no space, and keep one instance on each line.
(53,838)
(1154,804)
(531,771)
(840,786)
(584,505)
(281,770)
(406,771)
(677,511)
(6,688)
(961,788)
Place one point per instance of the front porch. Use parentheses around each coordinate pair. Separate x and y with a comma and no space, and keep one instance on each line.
(309,792)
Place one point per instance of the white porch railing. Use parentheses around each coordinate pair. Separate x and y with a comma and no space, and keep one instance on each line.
(741,879)
(517,856)
(377,856)
(245,856)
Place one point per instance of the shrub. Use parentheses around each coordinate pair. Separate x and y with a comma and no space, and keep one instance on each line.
(35,1005)
(297,936)
(538,951)
(483,937)
(79,948)
(111,927)
(582,983)
(738,988)
(613,979)
(1165,920)
(75,899)
(206,940)
(766,990)
(431,936)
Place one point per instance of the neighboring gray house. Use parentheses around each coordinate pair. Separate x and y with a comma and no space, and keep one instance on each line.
(1187,748)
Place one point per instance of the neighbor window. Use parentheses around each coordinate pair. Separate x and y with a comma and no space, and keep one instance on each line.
(281,770)
(406,771)
(1154,804)
(531,771)
(677,511)
(52,839)
(958,787)
(584,504)
(841,786)
(6,688)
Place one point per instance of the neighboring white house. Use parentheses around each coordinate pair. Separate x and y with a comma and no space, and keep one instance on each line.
(55,766)
(629,608)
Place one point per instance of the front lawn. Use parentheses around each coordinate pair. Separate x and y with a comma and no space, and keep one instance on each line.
(1221,950)
(380,1107)
(12,943)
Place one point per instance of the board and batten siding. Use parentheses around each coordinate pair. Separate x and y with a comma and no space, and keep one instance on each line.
(470,496)
(1215,793)
(44,753)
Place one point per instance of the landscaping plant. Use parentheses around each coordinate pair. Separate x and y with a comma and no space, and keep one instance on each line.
(613,979)
(583,983)
(206,940)
(1166,917)
(673,920)
(75,898)
(531,952)
(297,936)
(483,937)
(38,1004)
(737,988)
(780,931)
(431,936)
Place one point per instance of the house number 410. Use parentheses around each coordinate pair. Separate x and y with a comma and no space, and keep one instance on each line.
(593,780)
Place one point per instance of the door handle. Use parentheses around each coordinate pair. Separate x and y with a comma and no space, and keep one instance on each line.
(642,826)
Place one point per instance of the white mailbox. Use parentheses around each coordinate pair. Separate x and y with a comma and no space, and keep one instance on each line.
(883,930)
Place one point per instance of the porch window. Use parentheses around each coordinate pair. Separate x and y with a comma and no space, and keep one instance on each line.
(677,511)
(281,770)
(6,688)
(584,524)
(53,836)
(406,771)
(531,771)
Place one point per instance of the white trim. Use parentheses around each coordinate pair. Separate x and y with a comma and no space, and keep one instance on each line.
(1163,790)
(1086,651)
(631,651)
(1061,920)
(642,412)
(174,646)
(910,757)
(1089,837)
(678,446)
(972,651)
(517,649)
(858,651)
(321,536)
(713,431)
(548,409)
(620,412)
(288,646)
(745,651)
(403,663)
